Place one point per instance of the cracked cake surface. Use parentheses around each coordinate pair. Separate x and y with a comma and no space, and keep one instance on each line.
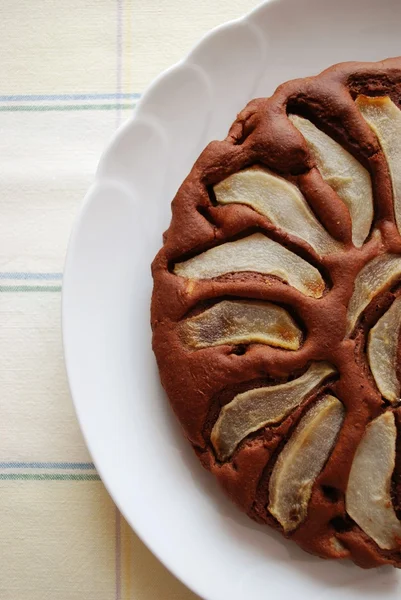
(276,311)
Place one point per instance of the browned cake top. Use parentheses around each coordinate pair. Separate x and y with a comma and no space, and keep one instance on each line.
(276,311)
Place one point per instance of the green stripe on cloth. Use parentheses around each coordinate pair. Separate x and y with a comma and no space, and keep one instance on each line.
(55,107)
(30,288)
(49,476)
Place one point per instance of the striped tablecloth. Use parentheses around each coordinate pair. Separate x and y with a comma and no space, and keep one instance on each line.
(70,74)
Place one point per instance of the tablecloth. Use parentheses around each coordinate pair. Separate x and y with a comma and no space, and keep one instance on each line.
(70,73)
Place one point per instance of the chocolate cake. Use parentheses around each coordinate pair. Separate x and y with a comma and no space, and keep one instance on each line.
(276,311)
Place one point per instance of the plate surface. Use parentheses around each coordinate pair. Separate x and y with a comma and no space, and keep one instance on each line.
(146,464)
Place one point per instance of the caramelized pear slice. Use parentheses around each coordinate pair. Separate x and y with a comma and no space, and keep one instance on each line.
(254,409)
(301,461)
(382,352)
(384,118)
(368,496)
(255,253)
(242,322)
(278,200)
(376,276)
(344,174)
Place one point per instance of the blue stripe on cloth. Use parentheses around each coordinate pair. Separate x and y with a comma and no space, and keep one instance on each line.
(49,477)
(82,466)
(22,275)
(49,97)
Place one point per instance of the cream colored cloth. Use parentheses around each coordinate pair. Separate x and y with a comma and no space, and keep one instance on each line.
(70,73)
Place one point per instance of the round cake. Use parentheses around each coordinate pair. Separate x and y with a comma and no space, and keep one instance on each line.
(276,311)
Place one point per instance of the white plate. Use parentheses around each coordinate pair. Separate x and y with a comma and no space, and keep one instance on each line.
(137,446)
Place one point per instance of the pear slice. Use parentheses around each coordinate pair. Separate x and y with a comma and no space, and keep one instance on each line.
(338,548)
(254,409)
(368,496)
(344,174)
(242,322)
(255,253)
(376,276)
(382,352)
(278,200)
(301,461)
(384,118)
